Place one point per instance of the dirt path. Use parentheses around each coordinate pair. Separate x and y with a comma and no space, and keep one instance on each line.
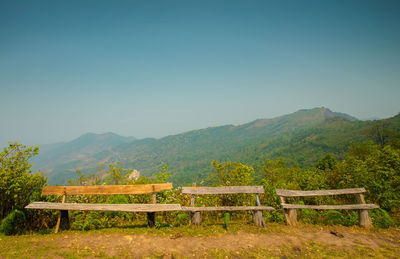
(283,241)
(295,240)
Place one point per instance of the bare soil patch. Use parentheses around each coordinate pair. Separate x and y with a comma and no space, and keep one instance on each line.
(302,241)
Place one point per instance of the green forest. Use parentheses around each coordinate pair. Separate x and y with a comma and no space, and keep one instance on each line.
(300,138)
(373,165)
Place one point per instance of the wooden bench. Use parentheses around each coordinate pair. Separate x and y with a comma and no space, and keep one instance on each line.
(291,213)
(64,207)
(195,211)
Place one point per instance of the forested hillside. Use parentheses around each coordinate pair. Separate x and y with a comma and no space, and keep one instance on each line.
(302,137)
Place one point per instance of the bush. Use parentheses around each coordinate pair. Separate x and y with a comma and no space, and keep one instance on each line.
(14,223)
(232,174)
(87,220)
(18,185)
(345,218)
(182,219)
(381,219)
(374,168)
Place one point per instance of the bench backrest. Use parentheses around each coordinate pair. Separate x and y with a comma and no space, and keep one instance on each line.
(296,193)
(222,190)
(106,189)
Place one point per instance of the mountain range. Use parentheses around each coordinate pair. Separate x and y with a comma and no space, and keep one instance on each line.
(302,137)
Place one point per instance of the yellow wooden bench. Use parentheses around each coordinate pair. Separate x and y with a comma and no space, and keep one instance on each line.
(64,206)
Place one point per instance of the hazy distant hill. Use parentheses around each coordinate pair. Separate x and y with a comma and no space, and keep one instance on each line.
(60,160)
(303,136)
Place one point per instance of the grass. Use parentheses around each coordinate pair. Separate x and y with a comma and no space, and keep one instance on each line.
(192,231)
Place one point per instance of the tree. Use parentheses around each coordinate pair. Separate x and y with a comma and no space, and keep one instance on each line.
(328,162)
(230,173)
(379,132)
(116,174)
(376,169)
(18,186)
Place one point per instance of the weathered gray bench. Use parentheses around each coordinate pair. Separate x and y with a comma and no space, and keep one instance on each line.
(291,212)
(195,211)
(64,207)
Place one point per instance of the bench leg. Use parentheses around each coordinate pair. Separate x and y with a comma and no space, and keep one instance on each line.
(291,216)
(151,219)
(363,215)
(258,218)
(364,219)
(62,221)
(195,218)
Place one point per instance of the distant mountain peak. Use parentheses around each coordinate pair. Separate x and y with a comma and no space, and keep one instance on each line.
(92,135)
(327,113)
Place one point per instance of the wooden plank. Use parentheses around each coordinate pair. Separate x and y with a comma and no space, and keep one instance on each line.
(223,190)
(331,207)
(227,208)
(106,189)
(105,207)
(296,193)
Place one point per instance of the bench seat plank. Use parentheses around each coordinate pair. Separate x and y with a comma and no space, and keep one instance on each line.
(227,208)
(223,190)
(105,207)
(297,193)
(331,207)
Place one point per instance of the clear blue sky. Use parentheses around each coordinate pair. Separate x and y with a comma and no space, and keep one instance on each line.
(156,68)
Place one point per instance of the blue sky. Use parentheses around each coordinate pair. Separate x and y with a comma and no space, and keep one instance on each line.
(156,68)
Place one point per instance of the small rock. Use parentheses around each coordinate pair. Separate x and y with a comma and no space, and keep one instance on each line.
(336,234)
(128,238)
(176,236)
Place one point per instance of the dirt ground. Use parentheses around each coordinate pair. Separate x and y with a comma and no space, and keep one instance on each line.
(184,245)
(280,242)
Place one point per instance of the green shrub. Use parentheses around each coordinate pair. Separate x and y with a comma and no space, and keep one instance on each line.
(381,219)
(13,223)
(18,185)
(333,217)
(87,220)
(227,217)
(309,216)
(345,218)
(182,219)
(118,199)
